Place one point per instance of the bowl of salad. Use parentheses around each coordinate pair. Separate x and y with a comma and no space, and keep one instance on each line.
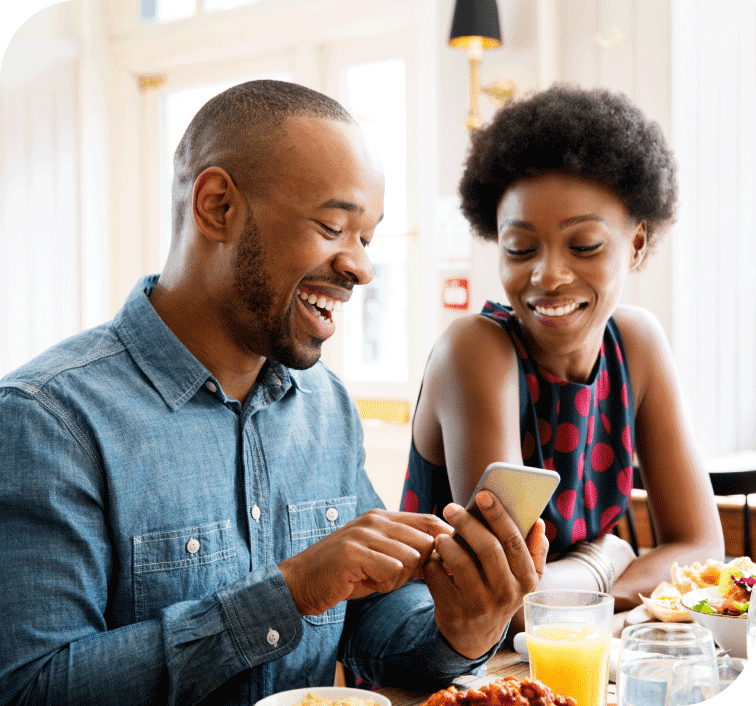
(723,609)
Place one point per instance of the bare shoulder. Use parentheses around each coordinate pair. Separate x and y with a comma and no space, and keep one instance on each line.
(471,340)
(648,352)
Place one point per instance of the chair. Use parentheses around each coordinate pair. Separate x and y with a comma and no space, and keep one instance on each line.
(734,474)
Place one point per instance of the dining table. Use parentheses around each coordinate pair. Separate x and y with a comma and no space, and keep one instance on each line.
(505,663)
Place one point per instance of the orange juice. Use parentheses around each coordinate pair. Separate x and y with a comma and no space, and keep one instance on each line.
(572,660)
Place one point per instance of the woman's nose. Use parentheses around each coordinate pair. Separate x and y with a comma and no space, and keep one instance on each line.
(550,272)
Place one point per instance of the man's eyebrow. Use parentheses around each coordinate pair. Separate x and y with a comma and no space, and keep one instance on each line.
(347,206)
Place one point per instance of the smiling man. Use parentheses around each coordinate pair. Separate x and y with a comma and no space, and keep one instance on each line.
(182,491)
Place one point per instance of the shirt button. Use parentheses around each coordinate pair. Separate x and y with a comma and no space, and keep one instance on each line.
(255,512)
(332,514)
(192,546)
(272,637)
(210,385)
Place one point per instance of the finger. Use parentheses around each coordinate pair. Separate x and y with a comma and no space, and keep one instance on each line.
(429,524)
(505,530)
(538,546)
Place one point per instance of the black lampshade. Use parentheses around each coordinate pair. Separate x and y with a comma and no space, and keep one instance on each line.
(475,18)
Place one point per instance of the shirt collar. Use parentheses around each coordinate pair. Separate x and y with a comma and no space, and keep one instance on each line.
(172,369)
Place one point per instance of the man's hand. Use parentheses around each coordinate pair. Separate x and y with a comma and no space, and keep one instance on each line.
(379,551)
(476,596)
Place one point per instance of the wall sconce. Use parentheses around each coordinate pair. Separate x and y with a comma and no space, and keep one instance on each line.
(475,27)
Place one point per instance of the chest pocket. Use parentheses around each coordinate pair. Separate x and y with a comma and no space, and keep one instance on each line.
(180,565)
(310,522)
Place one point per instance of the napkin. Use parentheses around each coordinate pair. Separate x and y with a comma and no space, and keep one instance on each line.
(521,647)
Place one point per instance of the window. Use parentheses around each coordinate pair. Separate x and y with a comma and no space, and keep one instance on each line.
(170,10)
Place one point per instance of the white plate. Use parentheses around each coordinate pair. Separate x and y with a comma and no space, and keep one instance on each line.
(294,696)
(729,630)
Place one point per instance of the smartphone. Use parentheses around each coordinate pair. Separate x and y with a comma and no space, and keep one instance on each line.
(522,490)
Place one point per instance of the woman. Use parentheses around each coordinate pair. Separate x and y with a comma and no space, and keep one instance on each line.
(576,186)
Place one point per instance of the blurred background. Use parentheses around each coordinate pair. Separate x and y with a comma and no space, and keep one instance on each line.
(95,94)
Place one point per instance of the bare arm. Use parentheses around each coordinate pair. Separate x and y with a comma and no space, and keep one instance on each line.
(680,497)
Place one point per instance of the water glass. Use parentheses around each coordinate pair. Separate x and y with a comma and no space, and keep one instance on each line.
(569,637)
(648,657)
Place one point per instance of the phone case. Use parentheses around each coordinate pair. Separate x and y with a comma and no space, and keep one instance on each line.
(522,490)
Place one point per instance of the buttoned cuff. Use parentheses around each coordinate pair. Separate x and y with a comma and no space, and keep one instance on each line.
(261,616)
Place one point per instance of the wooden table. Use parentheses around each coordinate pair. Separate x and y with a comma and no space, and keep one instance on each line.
(504,663)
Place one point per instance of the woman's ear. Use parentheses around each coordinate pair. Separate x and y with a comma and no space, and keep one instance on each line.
(640,240)
(215,204)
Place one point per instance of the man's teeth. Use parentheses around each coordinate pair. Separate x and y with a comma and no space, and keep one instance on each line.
(556,311)
(321,302)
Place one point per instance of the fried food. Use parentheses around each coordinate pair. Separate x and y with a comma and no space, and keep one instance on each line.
(665,604)
(507,691)
(696,575)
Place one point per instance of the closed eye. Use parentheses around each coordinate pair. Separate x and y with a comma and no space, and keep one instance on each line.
(330,231)
(584,249)
(513,252)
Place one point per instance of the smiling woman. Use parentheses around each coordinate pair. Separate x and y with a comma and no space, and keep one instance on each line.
(576,186)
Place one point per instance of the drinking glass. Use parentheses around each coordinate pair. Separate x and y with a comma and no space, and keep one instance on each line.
(751,630)
(692,682)
(569,638)
(648,655)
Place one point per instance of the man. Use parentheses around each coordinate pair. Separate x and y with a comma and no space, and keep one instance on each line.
(184,513)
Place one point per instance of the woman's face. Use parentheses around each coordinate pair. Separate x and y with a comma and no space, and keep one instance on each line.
(565,246)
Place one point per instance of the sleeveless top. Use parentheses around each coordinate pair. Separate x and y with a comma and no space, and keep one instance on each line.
(586,432)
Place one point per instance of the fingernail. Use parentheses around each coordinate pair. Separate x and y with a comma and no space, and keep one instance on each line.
(451,509)
(484,499)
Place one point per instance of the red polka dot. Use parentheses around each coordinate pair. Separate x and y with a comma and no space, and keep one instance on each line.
(528,445)
(619,353)
(411,503)
(535,393)
(625,480)
(602,387)
(548,463)
(627,440)
(603,349)
(607,424)
(578,530)
(602,456)
(558,406)
(625,398)
(607,517)
(567,437)
(551,530)
(581,466)
(566,503)
(544,431)
(406,477)
(589,437)
(590,494)
(583,401)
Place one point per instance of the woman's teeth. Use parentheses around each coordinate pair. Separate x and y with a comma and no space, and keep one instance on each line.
(320,302)
(556,311)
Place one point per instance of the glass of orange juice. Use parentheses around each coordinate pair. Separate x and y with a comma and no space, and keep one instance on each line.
(569,637)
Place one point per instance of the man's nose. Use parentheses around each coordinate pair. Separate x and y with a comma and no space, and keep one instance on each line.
(353,262)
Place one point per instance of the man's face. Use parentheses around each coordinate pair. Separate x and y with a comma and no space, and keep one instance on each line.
(302,247)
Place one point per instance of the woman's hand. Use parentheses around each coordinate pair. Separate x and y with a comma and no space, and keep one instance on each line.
(478,590)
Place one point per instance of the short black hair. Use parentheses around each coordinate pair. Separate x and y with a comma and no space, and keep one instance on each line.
(236,130)
(594,134)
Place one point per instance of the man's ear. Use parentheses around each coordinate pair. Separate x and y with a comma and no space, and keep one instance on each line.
(640,240)
(215,203)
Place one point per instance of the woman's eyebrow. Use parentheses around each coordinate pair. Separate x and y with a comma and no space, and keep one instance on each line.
(573,220)
(515,223)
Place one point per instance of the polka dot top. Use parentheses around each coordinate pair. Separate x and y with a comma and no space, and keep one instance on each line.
(586,432)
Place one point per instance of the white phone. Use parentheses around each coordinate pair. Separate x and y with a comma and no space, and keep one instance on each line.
(522,490)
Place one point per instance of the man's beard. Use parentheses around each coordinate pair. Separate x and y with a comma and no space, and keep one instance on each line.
(254,293)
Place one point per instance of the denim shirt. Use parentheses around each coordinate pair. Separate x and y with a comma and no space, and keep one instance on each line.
(142,516)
